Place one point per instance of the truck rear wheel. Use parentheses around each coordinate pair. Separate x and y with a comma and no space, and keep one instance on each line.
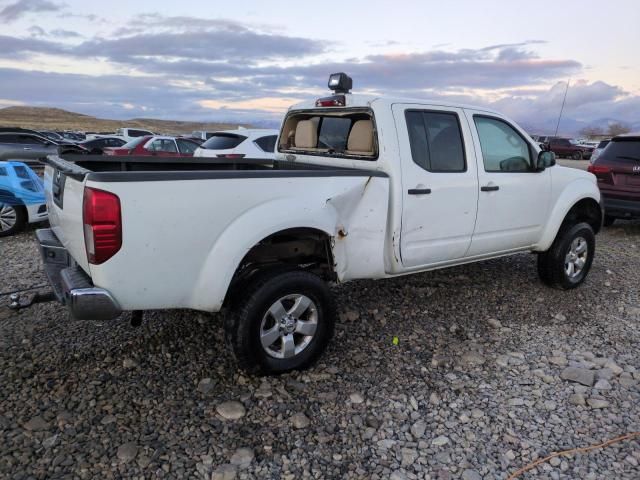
(284,322)
(566,264)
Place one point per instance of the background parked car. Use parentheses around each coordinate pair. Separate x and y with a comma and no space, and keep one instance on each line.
(250,143)
(202,135)
(72,136)
(21,197)
(618,171)
(598,150)
(97,145)
(155,145)
(563,147)
(22,144)
(129,134)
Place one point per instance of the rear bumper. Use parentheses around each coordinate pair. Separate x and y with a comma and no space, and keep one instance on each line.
(71,285)
(615,207)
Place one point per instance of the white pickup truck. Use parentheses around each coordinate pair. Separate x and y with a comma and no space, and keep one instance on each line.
(363,187)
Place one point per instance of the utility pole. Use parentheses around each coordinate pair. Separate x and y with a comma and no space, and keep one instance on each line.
(562,108)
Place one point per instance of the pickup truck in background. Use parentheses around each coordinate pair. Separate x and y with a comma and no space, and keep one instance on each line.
(363,187)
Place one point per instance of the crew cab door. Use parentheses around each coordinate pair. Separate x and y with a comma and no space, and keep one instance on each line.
(514,197)
(439,183)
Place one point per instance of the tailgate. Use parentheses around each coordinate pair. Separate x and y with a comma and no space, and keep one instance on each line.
(64,189)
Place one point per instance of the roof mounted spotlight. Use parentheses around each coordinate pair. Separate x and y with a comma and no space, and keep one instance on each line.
(340,83)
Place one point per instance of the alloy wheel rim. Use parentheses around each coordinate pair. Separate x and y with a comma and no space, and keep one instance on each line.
(576,257)
(8,217)
(288,326)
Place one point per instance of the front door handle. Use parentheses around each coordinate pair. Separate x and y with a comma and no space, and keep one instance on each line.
(489,188)
(419,191)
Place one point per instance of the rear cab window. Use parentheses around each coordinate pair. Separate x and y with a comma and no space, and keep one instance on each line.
(341,133)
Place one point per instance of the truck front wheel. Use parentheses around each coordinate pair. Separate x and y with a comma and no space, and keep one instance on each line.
(566,264)
(282,322)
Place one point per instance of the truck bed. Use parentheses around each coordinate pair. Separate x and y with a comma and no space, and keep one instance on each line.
(188,223)
(108,168)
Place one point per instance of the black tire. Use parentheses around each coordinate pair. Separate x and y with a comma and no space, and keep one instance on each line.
(551,264)
(15,214)
(608,220)
(243,325)
(576,155)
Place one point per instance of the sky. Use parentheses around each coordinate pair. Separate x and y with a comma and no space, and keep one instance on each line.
(247,61)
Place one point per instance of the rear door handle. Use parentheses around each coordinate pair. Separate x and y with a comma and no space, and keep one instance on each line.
(419,191)
(489,188)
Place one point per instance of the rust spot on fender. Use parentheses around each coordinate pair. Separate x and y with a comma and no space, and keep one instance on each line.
(342,233)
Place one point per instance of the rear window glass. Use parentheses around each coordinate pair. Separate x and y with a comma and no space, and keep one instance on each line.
(223,141)
(334,132)
(267,144)
(134,143)
(138,133)
(622,150)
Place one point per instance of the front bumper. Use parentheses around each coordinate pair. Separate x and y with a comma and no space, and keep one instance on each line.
(71,285)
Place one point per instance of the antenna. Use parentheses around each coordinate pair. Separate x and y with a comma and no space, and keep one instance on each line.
(562,108)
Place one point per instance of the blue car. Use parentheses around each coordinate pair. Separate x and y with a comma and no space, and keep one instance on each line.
(21,197)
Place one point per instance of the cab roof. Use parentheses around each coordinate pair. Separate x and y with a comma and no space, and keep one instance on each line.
(365,101)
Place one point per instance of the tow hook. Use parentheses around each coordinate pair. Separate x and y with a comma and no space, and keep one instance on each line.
(18,302)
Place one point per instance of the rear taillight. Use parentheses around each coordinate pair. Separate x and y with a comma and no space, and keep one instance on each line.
(102,225)
(598,169)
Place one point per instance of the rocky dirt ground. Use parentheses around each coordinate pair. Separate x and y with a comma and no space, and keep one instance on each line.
(490,372)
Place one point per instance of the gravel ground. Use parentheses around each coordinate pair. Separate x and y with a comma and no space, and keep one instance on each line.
(484,379)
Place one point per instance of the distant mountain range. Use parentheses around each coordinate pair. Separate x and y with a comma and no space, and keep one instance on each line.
(42,118)
(570,127)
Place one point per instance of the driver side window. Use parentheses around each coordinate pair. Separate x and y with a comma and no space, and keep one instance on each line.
(503,149)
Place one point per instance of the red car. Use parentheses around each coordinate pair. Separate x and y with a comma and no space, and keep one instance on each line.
(563,147)
(155,145)
(618,171)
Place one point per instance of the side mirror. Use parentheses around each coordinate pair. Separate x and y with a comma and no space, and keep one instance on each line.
(546,159)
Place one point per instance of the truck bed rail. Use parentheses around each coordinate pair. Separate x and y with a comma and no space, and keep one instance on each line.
(106,168)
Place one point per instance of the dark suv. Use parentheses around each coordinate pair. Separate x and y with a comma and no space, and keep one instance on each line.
(23,144)
(618,171)
(563,147)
